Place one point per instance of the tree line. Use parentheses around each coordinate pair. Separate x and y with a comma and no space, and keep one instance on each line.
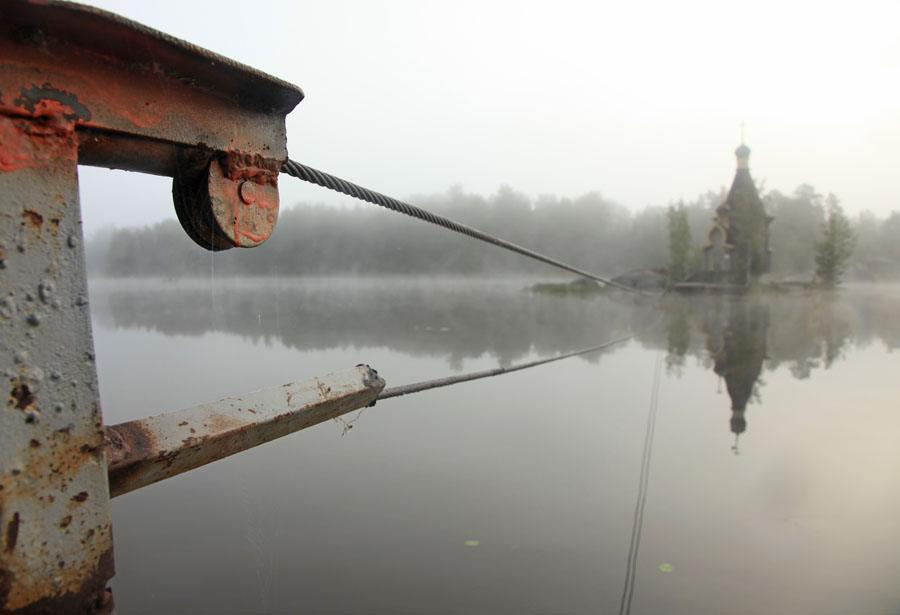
(589,231)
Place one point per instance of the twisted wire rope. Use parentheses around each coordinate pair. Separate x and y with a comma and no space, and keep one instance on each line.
(326,180)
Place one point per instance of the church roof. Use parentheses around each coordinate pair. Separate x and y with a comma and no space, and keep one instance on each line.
(743,195)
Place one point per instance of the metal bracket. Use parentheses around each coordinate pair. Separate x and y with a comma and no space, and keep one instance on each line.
(141,100)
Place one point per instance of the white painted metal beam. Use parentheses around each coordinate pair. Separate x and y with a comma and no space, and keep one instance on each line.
(149,450)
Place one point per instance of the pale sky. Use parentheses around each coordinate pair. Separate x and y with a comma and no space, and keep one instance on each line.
(641,101)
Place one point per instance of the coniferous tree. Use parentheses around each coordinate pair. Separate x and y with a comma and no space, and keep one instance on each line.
(679,242)
(834,250)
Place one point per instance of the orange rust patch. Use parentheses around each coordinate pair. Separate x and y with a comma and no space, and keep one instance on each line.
(31,144)
(14,153)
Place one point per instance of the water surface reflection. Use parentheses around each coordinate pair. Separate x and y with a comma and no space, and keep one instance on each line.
(539,468)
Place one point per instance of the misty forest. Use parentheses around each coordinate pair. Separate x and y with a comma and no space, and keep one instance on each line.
(588,231)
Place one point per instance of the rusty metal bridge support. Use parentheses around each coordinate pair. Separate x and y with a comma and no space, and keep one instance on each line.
(82,86)
(54,510)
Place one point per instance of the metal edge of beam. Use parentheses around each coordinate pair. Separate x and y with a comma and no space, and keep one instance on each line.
(132,88)
(145,451)
(114,36)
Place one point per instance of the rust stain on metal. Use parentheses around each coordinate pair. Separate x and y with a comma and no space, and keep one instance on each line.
(33,218)
(103,604)
(167,458)
(28,144)
(149,450)
(21,397)
(14,154)
(222,422)
(238,167)
(323,390)
(126,441)
(12,533)
(80,497)
(246,224)
(6,583)
(95,91)
(91,596)
(60,455)
(125,444)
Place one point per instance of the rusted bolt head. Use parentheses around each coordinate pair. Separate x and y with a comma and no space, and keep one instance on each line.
(248,192)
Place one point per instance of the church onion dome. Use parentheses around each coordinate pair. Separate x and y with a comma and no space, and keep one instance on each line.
(743,156)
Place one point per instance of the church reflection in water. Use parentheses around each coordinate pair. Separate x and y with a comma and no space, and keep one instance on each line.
(736,334)
(737,337)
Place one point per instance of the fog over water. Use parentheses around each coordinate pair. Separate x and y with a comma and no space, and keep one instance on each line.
(772,482)
(642,101)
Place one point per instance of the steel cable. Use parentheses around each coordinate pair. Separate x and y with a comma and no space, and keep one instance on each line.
(443,382)
(326,180)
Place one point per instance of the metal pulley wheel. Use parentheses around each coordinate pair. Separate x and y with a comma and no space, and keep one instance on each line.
(231,205)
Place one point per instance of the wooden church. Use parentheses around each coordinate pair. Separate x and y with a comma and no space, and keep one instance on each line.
(737,247)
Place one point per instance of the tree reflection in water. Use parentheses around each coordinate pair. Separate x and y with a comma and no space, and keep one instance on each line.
(743,335)
(542,466)
(736,337)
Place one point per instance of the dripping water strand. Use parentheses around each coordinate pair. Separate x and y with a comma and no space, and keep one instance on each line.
(638,521)
(212,277)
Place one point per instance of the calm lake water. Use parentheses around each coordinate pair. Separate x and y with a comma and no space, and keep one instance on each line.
(736,456)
